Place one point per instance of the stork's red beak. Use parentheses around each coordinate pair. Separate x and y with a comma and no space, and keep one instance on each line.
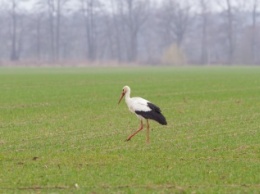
(122,95)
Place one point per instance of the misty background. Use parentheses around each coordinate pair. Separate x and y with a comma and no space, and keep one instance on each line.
(167,32)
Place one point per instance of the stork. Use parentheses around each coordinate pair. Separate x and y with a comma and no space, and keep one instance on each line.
(144,110)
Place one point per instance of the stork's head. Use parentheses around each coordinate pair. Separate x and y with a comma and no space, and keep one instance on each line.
(126,89)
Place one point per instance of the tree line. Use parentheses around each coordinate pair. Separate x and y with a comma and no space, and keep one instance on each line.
(170,32)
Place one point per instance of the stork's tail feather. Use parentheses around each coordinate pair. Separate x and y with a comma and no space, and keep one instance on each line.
(156,114)
(160,119)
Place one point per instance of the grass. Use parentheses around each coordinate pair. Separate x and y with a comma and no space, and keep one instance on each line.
(61,131)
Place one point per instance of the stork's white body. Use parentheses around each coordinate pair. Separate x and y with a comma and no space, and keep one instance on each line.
(143,109)
(137,104)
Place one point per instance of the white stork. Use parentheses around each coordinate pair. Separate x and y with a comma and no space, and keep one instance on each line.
(143,109)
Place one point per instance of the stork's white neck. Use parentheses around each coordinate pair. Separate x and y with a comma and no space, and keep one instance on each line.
(127,91)
(127,95)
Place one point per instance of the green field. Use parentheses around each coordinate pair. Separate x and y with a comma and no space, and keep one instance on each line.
(62,131)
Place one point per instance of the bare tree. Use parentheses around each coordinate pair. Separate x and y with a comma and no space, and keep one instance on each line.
(205,14)
(14,17)
(89,10)
(134,14)
(114,29)
(38,38)
(228,7)
(1,31)
(175,19)
(55,10)
(255,7)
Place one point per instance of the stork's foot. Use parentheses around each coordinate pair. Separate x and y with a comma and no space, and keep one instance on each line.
(128,139)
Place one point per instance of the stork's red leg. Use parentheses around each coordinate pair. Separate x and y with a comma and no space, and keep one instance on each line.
(141,127)
(147,132)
